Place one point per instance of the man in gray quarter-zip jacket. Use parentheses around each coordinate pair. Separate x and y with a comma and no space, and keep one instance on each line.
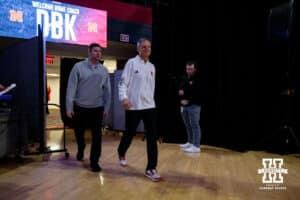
(136,91)
(87,102)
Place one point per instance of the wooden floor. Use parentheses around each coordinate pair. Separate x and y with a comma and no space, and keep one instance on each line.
(215,174)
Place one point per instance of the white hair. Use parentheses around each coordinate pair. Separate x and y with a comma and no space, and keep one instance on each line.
(140,41)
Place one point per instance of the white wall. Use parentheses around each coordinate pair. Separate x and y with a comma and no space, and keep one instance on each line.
(111,64)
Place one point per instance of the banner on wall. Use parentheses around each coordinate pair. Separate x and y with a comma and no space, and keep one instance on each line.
(62,23)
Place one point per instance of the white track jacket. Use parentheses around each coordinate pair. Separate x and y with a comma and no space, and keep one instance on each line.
(137,84)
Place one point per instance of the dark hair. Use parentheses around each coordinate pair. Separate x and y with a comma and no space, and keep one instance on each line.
(192,62)
(92,45)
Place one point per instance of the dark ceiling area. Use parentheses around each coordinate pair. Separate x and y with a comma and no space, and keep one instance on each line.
(169,3)
(148,3)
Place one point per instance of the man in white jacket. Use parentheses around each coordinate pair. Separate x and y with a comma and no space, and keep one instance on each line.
(136,91)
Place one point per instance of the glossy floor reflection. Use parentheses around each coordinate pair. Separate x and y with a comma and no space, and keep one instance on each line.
(55,139)
(215,173)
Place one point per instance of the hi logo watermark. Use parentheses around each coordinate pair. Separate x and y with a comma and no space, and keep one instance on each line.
(272,172)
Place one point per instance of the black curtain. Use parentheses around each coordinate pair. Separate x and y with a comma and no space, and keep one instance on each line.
(241,68)
(170,125)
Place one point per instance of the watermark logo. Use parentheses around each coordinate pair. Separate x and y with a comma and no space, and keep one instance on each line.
(272,172)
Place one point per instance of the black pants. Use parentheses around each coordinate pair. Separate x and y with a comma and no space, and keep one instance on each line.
(132,119)
(89,118)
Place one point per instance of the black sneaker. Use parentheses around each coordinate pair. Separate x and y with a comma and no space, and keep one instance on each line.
(95,168)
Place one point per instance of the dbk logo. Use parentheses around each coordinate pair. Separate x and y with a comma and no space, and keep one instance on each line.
(60,25)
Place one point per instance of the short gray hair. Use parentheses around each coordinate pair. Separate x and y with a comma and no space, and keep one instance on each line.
(140,41)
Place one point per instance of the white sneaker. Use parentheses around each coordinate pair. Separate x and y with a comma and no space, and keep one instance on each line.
(153,175)
(186,145)
(192,149)
(123,162)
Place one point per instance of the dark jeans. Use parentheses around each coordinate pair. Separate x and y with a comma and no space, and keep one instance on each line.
(89,118)
(132,119)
